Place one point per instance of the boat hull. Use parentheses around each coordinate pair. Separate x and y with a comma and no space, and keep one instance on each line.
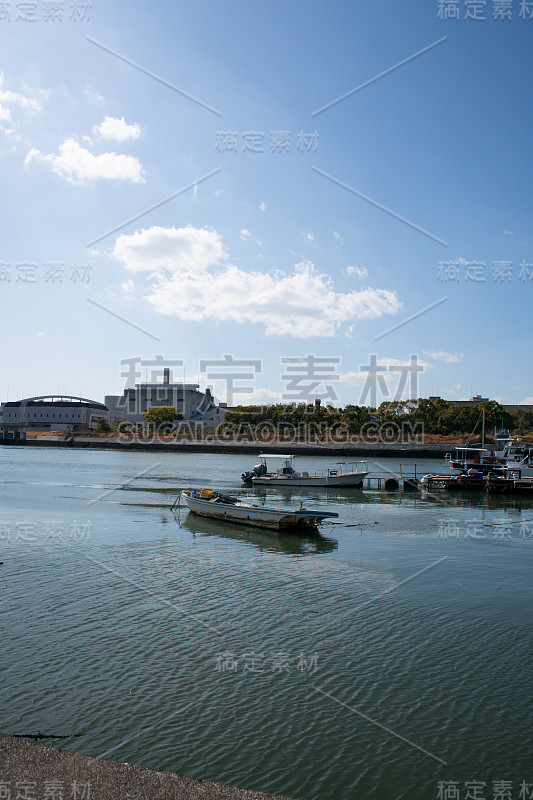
(347,480)
(259,517)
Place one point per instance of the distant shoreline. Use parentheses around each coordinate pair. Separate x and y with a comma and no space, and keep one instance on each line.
(342,449)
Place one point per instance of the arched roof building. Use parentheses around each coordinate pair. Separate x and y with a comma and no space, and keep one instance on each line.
(53,412)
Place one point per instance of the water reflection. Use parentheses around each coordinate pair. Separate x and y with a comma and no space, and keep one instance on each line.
(336,499)
(310,494)
(499,502)
(294,543)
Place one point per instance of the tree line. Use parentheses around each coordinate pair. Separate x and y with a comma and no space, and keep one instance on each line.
(428,416)
(392,420)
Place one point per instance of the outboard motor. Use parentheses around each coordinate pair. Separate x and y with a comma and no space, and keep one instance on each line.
(258,470)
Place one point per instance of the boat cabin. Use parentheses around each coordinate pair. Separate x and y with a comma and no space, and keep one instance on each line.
(479,458)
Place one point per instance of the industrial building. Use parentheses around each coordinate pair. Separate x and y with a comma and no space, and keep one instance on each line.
(52,413)
(198,408)
(67,413)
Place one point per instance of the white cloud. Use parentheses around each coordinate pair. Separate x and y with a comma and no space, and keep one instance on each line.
(127,288)
(337,237)
(262,206)
(508,233)
(78,165)
(246,236)
(93,95)
(527,401)
(30,102)
(356,272)
(309,236)
(118,129)
(441,355)
(171,249)
(194,280)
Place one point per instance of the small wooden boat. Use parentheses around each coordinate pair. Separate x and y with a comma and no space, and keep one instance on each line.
(215,505)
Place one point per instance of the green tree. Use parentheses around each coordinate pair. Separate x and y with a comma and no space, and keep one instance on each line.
(430,413)
(102,426)
(522,421)
(355,417)
(162,418)
(495,415)
(121,425)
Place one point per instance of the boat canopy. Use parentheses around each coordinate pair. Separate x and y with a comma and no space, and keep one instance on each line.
(474,449)
(273,455)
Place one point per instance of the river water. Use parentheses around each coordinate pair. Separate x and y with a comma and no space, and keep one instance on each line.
(387,658)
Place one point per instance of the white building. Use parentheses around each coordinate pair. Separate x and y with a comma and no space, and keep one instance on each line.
(198,408)
(52,413)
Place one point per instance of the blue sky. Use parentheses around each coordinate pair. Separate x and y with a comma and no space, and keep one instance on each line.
(264,256)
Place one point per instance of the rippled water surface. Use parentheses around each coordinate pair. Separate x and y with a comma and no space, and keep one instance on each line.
(385,656)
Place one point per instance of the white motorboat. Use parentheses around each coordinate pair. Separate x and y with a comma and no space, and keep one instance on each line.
(215,505)
(515,455)
(345,474)
(480,459)
(510,454)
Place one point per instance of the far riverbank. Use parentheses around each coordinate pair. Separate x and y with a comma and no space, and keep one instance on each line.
(212,445)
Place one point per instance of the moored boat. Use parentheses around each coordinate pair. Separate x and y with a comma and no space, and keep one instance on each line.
(347,474)
(216,505)
(515,455)
(479,459)
(509,455)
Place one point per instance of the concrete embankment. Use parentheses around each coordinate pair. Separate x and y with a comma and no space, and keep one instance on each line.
(340,450)
(25,763)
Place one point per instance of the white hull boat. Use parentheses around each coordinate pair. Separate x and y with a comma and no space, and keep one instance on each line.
(479,459)
(208,503)
(344,474)
(510,455)
(515,455)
